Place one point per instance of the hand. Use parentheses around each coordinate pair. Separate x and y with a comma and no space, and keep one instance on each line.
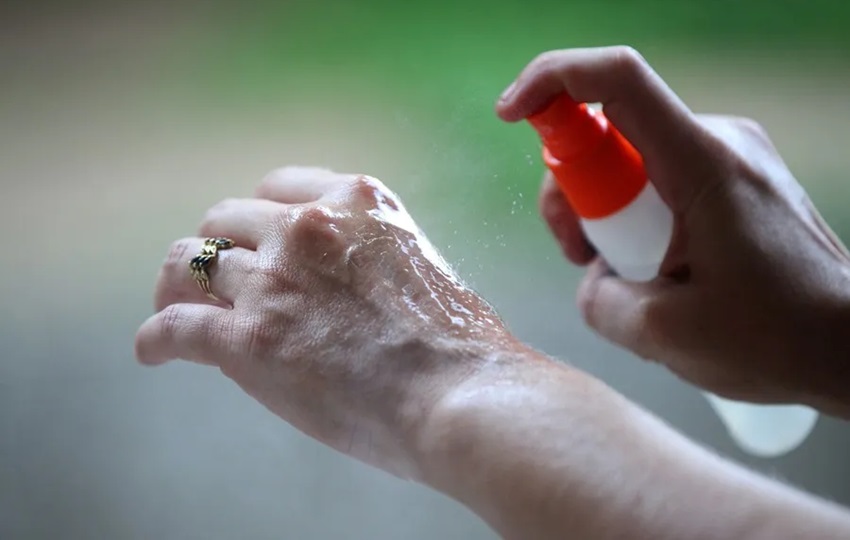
(337,313)
(752,300)
(340,317)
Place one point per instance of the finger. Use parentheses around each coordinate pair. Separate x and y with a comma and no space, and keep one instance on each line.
(176,285)
(187,331)
(242,220)
(295,185)
(635,316)
(634,98)
(564,223)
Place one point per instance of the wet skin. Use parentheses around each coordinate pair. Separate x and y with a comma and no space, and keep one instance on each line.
(336,312)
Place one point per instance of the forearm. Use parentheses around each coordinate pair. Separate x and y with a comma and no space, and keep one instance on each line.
(542,451)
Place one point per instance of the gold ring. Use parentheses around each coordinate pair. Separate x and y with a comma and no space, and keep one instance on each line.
(199,265)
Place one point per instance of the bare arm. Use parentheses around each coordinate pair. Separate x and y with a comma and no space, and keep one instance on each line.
(337,314)
(542,451)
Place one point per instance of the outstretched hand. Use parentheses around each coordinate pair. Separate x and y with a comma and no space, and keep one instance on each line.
(336,313)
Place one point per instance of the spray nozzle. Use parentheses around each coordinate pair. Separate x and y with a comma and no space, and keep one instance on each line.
(568,128)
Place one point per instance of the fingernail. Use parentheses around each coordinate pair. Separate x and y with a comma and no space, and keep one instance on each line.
(508,92)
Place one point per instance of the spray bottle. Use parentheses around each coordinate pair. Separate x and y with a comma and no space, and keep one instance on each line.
(603,178)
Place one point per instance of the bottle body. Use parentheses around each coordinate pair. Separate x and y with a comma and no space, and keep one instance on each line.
(634,241)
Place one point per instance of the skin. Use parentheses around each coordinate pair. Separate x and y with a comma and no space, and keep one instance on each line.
(339,316)
(752,302)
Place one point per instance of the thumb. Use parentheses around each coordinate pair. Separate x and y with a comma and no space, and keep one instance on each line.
(564,223)
(635,316)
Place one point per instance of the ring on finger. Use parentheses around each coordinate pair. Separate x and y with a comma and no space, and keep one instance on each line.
(200,264)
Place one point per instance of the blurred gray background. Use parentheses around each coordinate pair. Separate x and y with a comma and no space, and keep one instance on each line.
(120,123)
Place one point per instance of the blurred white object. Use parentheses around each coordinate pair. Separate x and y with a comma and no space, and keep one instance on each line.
(765,430)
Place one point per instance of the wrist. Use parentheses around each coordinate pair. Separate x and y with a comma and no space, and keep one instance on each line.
(431,397)
(494,442)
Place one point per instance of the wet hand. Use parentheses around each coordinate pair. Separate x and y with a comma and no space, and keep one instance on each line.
(335,312)
(753,298)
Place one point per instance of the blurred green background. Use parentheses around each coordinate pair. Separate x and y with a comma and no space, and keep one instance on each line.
(120,123)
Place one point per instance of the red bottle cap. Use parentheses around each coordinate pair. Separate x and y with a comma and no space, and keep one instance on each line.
(597,169)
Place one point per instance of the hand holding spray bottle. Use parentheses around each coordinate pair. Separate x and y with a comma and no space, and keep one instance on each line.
(603,179)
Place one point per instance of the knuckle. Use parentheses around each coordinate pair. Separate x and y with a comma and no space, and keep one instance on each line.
(268,274)
(257,338)
(585,308)
(370,192)
(546,60)
(640,323)
(290,173)
(553,206)
(296,171)
(262,188)
(314,218)
(219,209)
(587,300)
(628,60)
(169,288)
(178,253)
(271,179)
(721,141)
(245,341)
(752,128)
(652,333)
(316,234)
(551,64)
(748,153)
(171,320)
(365,186)
(277,173)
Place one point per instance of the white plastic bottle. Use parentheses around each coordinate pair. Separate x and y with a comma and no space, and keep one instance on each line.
(623,216)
